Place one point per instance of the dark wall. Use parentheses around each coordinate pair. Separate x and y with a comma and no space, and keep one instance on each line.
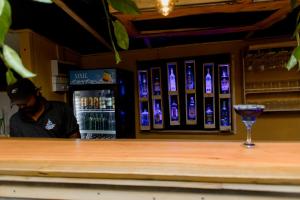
(2,76)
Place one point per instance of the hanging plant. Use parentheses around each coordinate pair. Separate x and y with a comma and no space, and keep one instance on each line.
(13,61)
(295,57)
(120,33)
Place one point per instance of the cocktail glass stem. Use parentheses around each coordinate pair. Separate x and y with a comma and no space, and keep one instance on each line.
(249,141)
(248,123)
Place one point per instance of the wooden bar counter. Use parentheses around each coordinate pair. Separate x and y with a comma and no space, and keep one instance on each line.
(148,169)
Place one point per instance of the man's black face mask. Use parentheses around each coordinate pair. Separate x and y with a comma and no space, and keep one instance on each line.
(29,111)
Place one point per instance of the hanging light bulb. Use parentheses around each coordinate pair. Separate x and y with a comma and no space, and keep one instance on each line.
(165,6)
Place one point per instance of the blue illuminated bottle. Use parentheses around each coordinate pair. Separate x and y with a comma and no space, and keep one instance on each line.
(158,115)
(209,115)
(172,79)
(224,82)
(144,88)
(174,111)
(156,86)
(145,118)
(191,109)
(189,79)
(224,115)
(208,82)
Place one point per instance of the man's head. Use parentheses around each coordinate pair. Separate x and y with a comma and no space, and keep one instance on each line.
(25,95)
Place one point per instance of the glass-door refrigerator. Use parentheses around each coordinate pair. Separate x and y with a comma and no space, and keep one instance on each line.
(103,103)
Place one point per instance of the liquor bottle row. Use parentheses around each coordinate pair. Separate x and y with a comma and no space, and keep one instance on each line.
(158,114)
(191,112)
(97,121)
(174,95)
(223,76)
(97,102)
(224,113)
(189,79)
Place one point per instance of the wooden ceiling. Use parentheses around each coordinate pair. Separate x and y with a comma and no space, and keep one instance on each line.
(81,24)
(183,8)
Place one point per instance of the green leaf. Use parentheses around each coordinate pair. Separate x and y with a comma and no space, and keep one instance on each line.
(298,17)
(124,6)
(5,19)
(13,61)
(296,53)
(294,3)
(297,25)
(117,55)
(10,78)
(295,57)
(121,34)
(296,30)
(1,6)
(44,1)
(291,63)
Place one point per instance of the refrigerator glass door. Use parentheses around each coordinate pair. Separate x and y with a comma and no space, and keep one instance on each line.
(95,113)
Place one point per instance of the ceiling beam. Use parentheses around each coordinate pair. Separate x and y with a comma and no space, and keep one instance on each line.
(269,21)
(272,19)
(150,4)
(194,32)
(131,30)
(79,20)
(281,8)
(196,9)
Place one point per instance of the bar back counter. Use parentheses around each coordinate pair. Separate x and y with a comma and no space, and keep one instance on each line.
(148,169)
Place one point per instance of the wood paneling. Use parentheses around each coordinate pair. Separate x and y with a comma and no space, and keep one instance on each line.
(37,53)
(284,128)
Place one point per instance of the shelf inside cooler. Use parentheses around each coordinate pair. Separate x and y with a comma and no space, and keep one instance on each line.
(98,132)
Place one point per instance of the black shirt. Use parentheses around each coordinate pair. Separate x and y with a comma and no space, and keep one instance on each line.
(57,121)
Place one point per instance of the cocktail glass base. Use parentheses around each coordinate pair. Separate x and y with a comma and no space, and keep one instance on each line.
(249,145)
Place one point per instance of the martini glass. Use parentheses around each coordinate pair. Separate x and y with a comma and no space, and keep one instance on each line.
(249,113)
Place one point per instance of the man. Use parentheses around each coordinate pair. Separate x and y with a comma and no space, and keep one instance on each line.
(38,117)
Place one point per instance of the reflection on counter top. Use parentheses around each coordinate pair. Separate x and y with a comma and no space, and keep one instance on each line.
(148,169)
(208,161)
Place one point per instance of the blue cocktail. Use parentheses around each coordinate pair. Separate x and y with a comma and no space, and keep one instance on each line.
(249,112)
